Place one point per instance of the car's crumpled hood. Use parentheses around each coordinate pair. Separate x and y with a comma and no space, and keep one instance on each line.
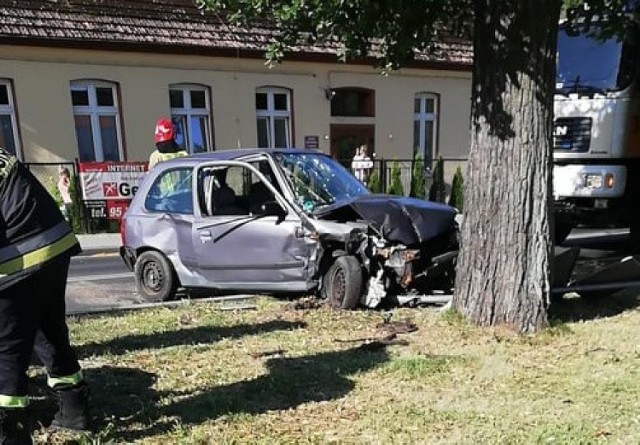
(399,219)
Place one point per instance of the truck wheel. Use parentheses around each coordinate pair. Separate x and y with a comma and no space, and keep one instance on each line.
(342,284)
(155,278)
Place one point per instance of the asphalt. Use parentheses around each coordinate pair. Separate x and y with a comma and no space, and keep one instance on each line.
(99,242)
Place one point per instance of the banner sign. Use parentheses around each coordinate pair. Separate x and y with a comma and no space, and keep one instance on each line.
(108,187)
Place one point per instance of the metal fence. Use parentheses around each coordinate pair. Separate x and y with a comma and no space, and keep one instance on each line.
(49,172)
(383,169)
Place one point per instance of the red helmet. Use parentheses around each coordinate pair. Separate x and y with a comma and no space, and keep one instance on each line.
(164,130)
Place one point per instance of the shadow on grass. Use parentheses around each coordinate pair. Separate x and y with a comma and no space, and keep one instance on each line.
(605,304)
(288,383)
(182,336)
(121,396)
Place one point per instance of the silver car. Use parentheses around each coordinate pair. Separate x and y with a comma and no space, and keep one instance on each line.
(283,221)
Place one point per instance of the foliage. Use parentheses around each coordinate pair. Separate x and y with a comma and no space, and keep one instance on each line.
(619,16)
(438,191)
(457,190)
(417,177)
(395,188)
(375,185)
(397,28)
(75,209)
(74,212)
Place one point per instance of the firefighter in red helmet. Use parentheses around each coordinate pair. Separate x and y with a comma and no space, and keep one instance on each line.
(36,245)
(166,146)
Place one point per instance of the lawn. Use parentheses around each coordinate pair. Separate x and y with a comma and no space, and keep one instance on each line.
(297,373)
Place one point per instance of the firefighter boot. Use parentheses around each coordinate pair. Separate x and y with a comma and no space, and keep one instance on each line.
(13,427)
(73,411)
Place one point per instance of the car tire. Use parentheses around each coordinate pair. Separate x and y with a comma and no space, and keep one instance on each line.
(342,284)
(156,279)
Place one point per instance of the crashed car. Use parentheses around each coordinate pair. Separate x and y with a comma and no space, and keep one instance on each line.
(283,221)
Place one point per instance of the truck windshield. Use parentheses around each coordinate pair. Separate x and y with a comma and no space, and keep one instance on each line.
(585,64)
(318,180)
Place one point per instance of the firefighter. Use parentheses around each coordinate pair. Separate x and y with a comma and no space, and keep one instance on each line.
(166,146)
(36,245)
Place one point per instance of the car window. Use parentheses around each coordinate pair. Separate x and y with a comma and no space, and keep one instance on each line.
(233,190)
(171,192)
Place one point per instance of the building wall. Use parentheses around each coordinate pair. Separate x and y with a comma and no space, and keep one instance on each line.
(41,79)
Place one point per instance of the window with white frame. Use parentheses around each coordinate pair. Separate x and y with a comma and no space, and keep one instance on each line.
(191,116)
(97,120)
(273,115)
(8,125)
(425,124)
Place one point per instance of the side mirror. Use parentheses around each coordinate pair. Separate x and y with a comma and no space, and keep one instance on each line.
(272,208)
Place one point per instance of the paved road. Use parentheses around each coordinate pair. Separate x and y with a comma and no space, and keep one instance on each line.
(99,281)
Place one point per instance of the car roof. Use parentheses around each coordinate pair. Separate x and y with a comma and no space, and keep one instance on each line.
(234,154)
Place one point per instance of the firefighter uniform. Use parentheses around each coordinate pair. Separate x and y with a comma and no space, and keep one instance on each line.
(166,147)
(36,244)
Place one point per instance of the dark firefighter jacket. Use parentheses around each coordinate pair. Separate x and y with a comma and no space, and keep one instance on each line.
(32,228)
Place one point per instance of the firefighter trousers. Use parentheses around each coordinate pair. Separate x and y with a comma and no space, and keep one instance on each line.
(32,319)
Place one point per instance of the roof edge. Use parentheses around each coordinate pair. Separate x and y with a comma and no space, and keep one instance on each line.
(175,49)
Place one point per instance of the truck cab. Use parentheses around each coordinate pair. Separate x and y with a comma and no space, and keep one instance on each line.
(596,137)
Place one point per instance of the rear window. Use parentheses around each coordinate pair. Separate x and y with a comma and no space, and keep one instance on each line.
(171,192)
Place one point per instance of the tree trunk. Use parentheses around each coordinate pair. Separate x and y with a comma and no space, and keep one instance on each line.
(503,273)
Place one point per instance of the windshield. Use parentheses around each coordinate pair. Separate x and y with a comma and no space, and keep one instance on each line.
(586,63)
(318,180)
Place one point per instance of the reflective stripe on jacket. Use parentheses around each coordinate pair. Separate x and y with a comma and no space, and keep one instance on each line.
(157,156)
(36,250)
(32,229)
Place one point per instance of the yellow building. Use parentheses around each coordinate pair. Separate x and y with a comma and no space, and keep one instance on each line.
(83,80)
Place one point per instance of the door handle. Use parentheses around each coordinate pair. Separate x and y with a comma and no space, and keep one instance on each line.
(205,236)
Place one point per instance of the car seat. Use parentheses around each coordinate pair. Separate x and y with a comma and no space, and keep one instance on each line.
(259,193)
(224,202)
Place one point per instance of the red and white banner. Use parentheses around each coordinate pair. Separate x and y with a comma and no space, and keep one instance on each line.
(110,180)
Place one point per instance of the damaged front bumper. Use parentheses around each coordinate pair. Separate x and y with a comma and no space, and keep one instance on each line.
(406,276)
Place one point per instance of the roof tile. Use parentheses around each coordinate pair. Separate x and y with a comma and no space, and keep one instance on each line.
(164,25)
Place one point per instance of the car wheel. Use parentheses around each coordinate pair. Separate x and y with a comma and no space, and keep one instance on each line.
(155,278)
(342,284)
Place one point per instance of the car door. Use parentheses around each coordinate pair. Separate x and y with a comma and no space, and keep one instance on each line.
(238,247)
(166,223)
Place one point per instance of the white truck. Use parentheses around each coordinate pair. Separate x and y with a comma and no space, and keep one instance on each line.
(596,143)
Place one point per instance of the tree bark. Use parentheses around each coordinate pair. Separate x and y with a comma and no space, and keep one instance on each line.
(503,273)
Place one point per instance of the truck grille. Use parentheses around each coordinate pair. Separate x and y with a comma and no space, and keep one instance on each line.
(572,134)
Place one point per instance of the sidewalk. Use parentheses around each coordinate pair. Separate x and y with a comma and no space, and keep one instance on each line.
(99,242)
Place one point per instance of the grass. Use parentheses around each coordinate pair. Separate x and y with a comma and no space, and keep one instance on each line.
(277,374)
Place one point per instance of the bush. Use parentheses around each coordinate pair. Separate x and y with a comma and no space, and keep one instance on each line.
(437,192)
(74,215)
(396,180)
(375,185)
(417,177)
(457,190)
